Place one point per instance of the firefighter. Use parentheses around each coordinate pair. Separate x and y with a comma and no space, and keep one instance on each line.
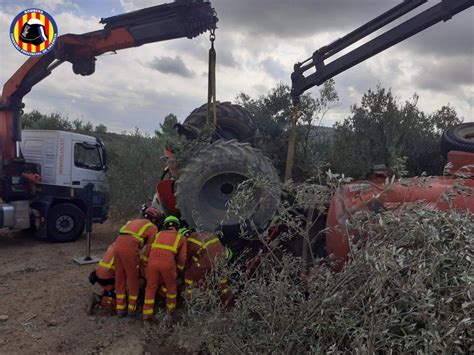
(204,249)
(167,256)
(104,275)
(133,236)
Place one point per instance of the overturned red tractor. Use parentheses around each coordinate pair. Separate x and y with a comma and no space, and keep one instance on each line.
(201,190)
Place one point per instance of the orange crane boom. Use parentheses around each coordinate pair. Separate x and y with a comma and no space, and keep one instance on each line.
(180,19)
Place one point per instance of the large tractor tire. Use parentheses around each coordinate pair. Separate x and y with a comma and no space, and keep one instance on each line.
(460,137)
(211,179)
(233,122)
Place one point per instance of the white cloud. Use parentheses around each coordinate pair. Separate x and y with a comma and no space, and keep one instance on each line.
(49,5)
(131,5)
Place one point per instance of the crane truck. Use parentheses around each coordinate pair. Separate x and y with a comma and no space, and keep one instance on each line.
(49,179)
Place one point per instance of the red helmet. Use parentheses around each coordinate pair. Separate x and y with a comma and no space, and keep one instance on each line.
(151,212)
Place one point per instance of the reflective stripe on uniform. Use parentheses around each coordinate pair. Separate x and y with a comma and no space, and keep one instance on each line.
(144,228)
(109,265)
(173,248)
(132,298)
(147,312)
(120,307)
(212,241)
(144,258)
(171,295)
(132,307)
(150,301)
(226,290)
(180,267)
(137,235)
(195,241)
(120,296)
(164,289)
(198,253)
(188,281)
(170,306)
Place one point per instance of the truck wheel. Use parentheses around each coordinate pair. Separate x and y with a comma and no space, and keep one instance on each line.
(65,223)
(211,179)
(460,137)
(233,122)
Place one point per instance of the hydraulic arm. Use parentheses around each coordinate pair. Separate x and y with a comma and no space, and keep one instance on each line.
(443,11)
(183,18)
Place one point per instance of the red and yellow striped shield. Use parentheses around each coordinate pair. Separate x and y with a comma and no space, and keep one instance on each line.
(33,32)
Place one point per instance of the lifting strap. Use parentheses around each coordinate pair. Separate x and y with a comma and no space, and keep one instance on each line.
(211,84)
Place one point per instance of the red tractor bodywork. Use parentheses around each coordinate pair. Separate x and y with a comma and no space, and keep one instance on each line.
(165,187)
(374,196)
(165,194)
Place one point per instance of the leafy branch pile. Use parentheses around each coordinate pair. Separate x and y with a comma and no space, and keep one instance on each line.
(407,289)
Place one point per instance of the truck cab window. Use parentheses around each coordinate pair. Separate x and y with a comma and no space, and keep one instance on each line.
(87,156)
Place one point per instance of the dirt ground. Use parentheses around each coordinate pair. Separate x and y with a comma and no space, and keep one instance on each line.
(44,294)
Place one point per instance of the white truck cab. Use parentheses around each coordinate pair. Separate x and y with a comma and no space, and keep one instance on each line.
(65,158)
(72,169)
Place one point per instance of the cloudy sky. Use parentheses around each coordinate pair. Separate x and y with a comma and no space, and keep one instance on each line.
(258,41)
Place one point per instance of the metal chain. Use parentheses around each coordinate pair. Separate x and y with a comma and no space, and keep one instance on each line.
(212,36)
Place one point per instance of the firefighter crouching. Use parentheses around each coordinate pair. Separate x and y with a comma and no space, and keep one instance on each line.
(104,275)
(167,255)
(133,236)
(204,249)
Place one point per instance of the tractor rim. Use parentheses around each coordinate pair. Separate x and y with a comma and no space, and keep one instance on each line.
(216,193)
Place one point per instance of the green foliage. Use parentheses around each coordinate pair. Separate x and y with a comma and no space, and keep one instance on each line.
(444,118)
(166,128)
(100,128)
(135,167)
(272,114)
(381,130)
(53,121)
(183,150)
(80,126)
